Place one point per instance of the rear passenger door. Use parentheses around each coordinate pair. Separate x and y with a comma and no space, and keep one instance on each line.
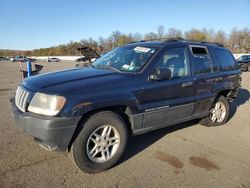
(206,77)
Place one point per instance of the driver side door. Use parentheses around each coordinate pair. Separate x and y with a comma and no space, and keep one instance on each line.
(167,101)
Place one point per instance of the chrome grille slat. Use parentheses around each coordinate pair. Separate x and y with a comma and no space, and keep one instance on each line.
(17,95)
(25,99)
(21,98)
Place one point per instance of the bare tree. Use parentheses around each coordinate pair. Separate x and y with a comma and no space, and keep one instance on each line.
(160,31)
(115,37)
(137,36)
(150,36)
(210,35)
(174,33)
(220,37)
(244,39)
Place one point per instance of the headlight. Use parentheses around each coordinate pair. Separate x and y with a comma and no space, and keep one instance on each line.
(44,104)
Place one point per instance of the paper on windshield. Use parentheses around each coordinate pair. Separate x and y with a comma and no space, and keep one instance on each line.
(128,67)
(141,49)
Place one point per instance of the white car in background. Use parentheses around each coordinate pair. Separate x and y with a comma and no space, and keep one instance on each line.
(53,59)
(19,58)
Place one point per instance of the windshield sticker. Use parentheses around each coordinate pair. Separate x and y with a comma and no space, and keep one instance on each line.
(125,66)
(141,49)
(128,67)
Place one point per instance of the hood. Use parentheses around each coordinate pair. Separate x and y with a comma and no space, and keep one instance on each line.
(72,78)
(242,61)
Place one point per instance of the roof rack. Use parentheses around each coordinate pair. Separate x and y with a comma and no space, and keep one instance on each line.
(159,39)
(217,43)
(204,42)
(175,39)
(164,39)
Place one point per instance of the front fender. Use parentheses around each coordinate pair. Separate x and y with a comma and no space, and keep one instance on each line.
(106,102)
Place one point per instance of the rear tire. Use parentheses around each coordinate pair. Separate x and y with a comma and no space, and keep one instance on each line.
(219,113)
(101,142)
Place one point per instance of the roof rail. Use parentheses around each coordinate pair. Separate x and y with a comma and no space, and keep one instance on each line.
(164,39)
(217,43)
(159,39)
(179,39)
(204,42)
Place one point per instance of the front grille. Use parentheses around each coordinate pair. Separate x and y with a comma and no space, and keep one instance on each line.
(21,98)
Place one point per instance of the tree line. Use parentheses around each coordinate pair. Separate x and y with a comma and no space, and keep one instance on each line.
(238,41)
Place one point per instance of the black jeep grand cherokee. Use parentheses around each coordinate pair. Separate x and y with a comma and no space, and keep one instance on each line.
(133,89)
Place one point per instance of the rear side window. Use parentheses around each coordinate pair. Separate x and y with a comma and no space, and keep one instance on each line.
(201,60)
(225,59)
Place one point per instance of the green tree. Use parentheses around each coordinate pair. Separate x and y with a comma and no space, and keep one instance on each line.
(123,39)
(196,34)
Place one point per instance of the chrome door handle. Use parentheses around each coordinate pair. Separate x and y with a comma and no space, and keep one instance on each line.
(218,79)
(187,84)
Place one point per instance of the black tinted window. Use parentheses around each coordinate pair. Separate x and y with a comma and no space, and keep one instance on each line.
(225,59)
(202,63)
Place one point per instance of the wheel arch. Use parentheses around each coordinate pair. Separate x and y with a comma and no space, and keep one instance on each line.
(227,93)
(122,110)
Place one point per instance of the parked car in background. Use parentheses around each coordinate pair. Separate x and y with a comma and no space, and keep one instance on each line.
(132,89)
(3,58)
(244,62)
(81,59)
(31,59)
(19,58)
(53,59)
(12,58)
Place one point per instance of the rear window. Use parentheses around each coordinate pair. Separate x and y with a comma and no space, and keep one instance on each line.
(225,59)
(201,60)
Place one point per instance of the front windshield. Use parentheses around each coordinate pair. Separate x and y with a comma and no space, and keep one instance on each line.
(242,58)
(126,58)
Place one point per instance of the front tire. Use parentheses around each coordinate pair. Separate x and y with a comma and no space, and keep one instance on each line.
(219,113)
(101,142)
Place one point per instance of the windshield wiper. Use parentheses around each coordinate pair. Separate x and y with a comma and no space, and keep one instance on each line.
(90,65)
(111,68)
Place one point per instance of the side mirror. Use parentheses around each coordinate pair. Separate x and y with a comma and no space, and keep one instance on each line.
(160,74)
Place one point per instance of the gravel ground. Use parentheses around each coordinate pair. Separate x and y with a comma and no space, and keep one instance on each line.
(185,155)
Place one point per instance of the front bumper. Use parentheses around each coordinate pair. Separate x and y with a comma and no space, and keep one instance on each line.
(52,133)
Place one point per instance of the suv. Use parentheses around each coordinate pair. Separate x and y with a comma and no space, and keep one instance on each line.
(244,62)
(130,90)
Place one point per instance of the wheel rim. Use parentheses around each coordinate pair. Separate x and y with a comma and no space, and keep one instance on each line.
(218,112)
(103,144)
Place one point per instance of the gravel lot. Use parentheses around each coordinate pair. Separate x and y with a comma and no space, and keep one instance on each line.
(185,155)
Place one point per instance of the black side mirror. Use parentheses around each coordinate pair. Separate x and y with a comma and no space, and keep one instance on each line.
(161,74)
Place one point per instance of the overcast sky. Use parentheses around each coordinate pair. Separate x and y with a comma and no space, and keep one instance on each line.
(30,24)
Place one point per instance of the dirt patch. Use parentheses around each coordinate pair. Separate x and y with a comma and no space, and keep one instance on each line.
(170,159)
(3,90)
(244,186)
(203,163)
